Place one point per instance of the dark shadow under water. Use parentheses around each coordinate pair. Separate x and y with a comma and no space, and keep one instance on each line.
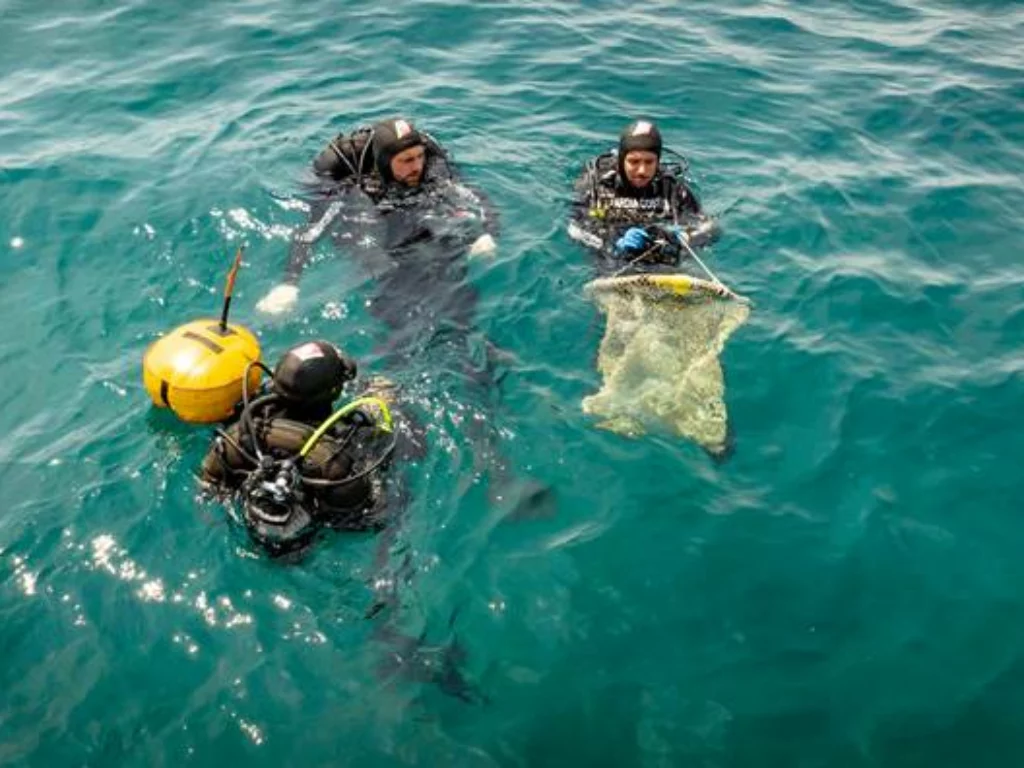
(416,258)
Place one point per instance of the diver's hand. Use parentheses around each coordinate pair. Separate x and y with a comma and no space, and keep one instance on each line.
(634,239)
(483,246)
(706,231)
(282,298)
(681,234)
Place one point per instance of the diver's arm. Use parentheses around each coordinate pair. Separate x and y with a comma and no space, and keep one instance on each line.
(584,226)
(487,243)
(285,294)
(321,214)
(697,225)
(339,161)
(477,199)
(344,159)
(488,213)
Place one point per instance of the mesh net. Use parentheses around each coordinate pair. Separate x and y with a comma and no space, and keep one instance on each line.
(659,358)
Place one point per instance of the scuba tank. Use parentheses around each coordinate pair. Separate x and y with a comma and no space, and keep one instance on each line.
(295,462)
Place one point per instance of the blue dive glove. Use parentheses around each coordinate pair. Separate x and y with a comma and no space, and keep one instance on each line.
(633,239)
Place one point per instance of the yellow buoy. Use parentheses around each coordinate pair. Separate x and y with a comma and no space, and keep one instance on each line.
(196,370)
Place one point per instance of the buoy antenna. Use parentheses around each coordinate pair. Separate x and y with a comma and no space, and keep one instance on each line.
(229,288)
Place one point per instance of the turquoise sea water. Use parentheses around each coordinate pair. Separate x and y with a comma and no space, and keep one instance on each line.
(844,591)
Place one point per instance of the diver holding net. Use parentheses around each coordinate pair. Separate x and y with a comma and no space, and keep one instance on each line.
(665,329)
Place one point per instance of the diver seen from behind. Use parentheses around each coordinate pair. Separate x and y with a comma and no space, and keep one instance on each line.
(295,462)
(394,166)
(635,209)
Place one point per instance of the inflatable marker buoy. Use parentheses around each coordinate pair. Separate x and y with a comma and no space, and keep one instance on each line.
(197,370)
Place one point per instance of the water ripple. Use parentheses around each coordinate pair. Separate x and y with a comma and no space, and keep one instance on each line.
(842,591)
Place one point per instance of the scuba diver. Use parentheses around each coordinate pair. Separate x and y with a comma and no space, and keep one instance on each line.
(635,210)
(297,463)
(390,197)
(664,329)
(392,167)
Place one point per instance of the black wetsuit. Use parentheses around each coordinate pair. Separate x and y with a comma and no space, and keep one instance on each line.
(605,205)
(412,241)
(351,189)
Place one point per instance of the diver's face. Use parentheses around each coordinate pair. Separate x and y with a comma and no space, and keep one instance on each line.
(640,167)
(407,166)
